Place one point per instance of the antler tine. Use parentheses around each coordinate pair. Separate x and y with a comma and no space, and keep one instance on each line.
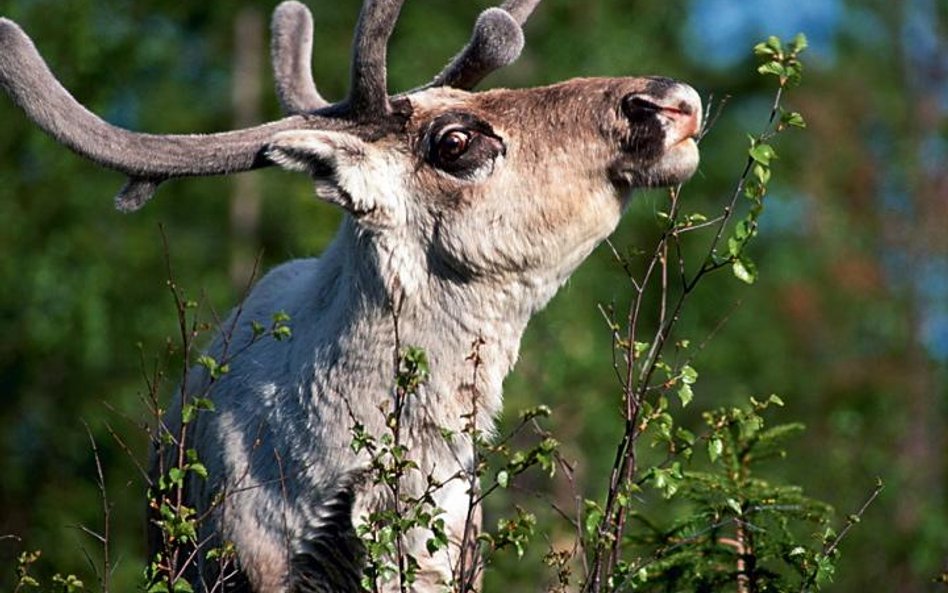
(148,159)
(497,41)
(368,93)
(291,48)
(520,10)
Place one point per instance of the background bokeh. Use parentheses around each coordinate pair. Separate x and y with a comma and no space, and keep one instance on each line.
(848,321)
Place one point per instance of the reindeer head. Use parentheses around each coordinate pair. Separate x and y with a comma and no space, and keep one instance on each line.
(488,183)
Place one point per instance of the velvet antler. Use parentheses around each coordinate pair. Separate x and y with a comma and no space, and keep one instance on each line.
(496,42)
(291,49)
(147,159)
(368,90)
(520,10)
(150,159)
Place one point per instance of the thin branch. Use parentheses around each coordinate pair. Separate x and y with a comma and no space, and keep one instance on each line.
(104,538)
(830,548)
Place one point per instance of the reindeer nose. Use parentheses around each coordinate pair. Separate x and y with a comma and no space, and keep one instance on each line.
(678,104)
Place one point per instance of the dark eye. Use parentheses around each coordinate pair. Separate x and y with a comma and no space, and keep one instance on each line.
(462,145)
(452,144)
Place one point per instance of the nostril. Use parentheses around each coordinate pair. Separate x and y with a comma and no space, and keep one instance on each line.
(636,106)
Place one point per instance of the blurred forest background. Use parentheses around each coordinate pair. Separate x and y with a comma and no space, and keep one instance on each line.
(848,321)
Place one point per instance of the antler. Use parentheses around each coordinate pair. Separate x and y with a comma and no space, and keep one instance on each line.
(368,90)
(520,10)
(147,159)
(291,48)
(497,41)
(150,159)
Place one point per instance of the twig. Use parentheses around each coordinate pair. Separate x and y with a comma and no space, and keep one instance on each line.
(105,575)
(830,548)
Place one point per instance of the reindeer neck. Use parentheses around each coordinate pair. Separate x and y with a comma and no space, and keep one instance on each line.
(470,331)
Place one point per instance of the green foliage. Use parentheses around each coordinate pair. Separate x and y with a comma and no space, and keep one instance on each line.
(782,61)
(26,582)
(734,527)
(785,64)
(513,533)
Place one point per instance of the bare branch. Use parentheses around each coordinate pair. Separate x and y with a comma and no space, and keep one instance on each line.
(291,49)
(368,92)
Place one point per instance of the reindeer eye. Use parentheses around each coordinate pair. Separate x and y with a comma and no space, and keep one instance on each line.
(462,145)
(452,144)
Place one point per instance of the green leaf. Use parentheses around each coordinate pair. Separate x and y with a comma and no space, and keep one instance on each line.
(438,539)
(762,49)
(792,118)
(207,362)
(775,68)
(688,375)
(734,246)
(762,153)
(176,475)
(667,480)
(734,506)
(503,478)
(799,43)
(205,403)
(824,570)
(199,469)
(744,229)
(761,173)
(745,270)
(188,412)
(715,448)
(685,394)
(593,518)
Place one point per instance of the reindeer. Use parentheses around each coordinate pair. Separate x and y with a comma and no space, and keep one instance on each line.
(465,212)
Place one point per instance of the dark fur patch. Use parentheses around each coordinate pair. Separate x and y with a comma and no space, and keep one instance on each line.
(333,561)
(658,86)
(646,138)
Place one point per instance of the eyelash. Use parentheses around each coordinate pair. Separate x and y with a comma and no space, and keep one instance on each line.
(473,154)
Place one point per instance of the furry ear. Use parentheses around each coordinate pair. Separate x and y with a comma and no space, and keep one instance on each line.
(347,171)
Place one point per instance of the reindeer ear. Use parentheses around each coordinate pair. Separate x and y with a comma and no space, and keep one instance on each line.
(343,166)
